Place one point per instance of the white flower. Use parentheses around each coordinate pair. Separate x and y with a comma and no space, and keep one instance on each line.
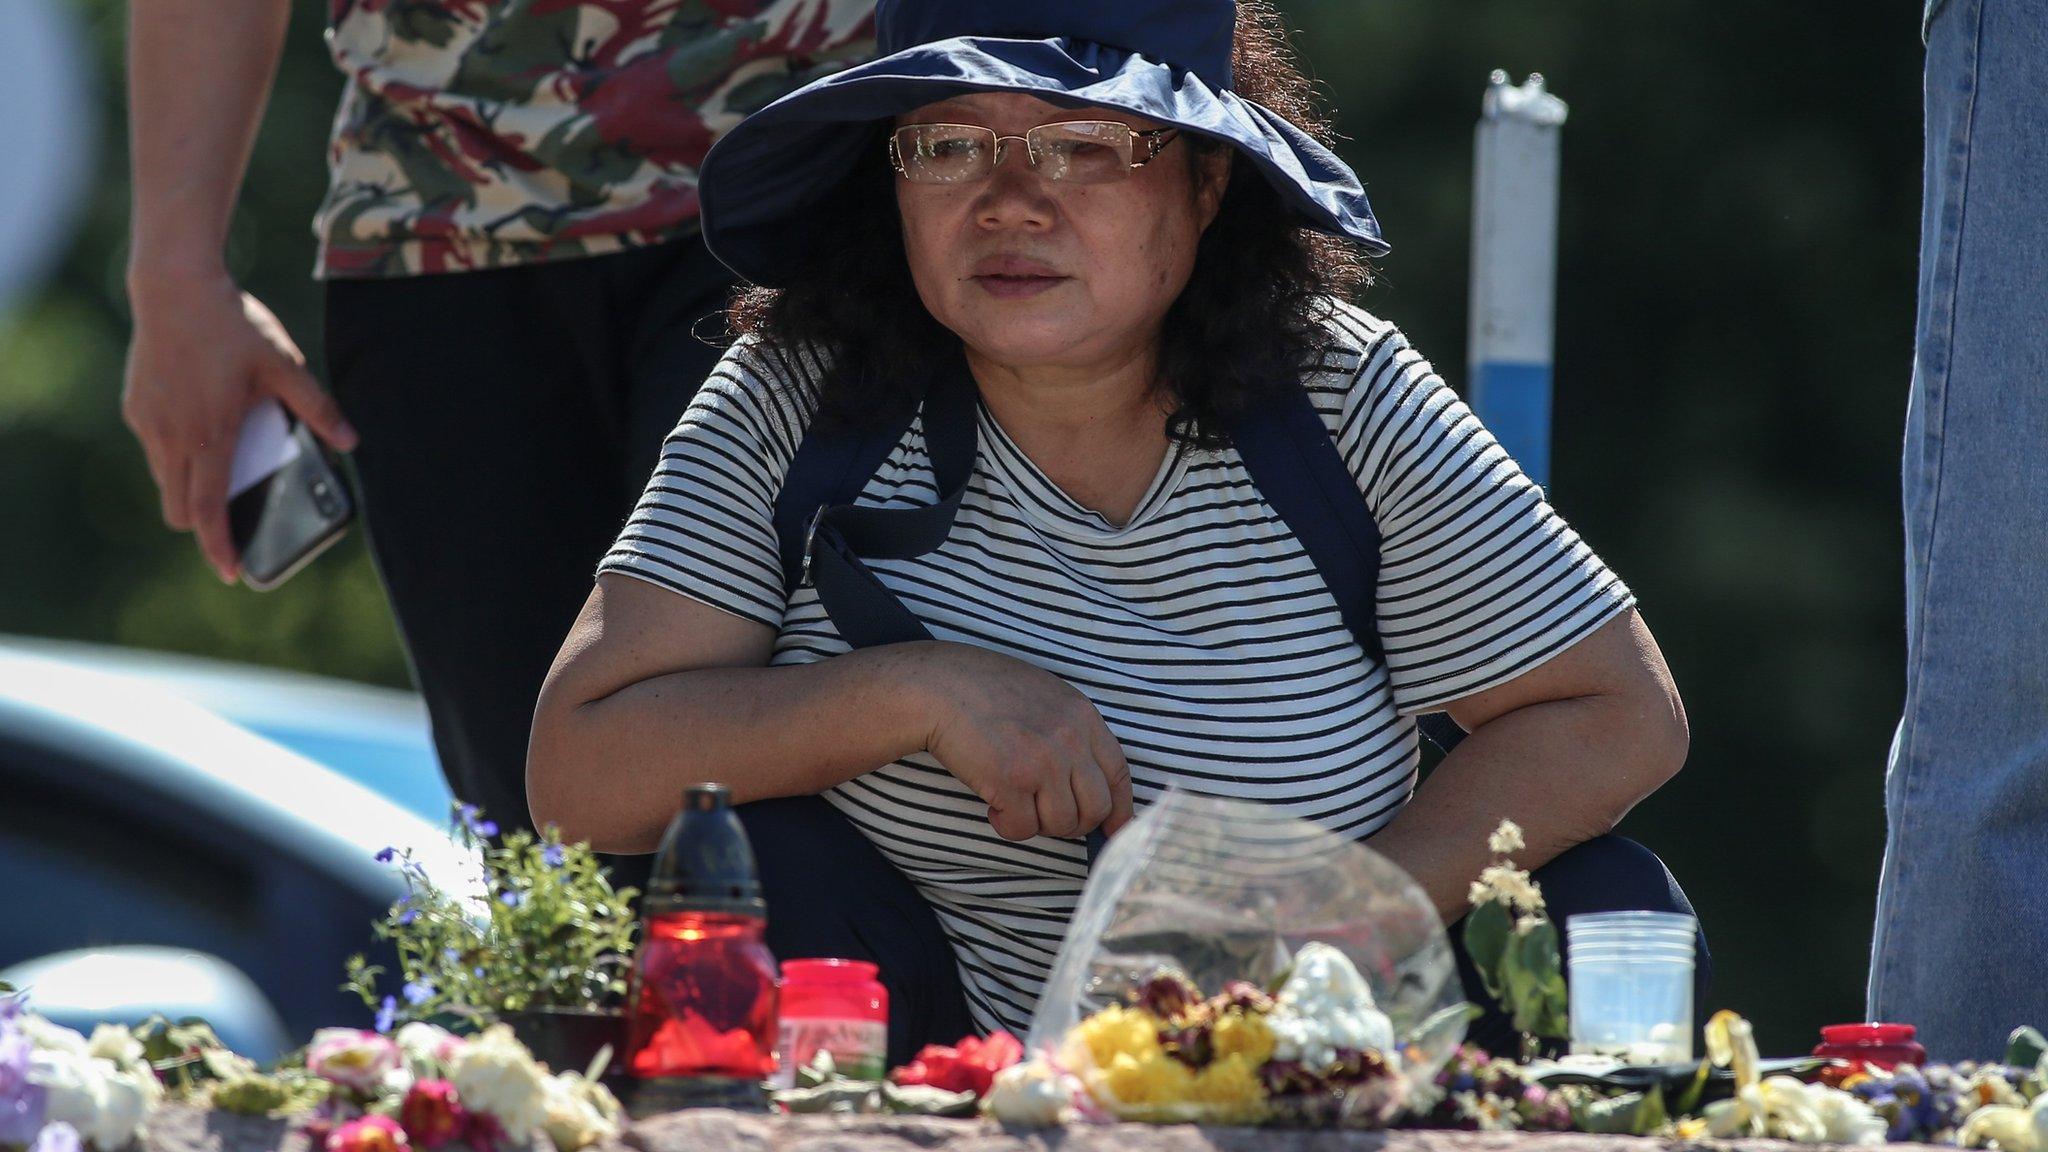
(105,1104)
(2014,1129)
(1781,1107)
(1326,1005)
(351,1057)
(425,1043)
(1510,884)
(1506,838)
(116,1043)
(1034,1094)
(494,1073)
(45,1036)
(579,1112)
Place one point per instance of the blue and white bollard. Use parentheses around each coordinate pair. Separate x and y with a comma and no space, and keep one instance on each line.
(1514,267)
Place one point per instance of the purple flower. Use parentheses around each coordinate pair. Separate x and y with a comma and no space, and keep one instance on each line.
(58,1137)
(21,1103)
(451,955)
(408,916)
(386,1013)
(509,899)
(486,829)
(553,855)
(385,854)
(465,815)
(418,991)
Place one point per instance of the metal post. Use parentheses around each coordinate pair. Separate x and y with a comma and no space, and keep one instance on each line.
(1514,266)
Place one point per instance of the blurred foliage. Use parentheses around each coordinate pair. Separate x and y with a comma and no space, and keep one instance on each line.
(1735,327)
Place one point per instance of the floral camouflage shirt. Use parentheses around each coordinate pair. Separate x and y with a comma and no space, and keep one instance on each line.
(482,133)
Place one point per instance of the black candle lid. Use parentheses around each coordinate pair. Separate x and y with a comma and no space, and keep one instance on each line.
(705,863)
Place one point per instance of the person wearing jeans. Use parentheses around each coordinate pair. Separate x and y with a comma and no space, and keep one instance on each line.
(1962,915)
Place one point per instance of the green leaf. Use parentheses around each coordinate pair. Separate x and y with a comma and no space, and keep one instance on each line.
(2025,1047)
(1487,928)
(1633,1114)
(1689,1101)
(849,1096)
(925,1100)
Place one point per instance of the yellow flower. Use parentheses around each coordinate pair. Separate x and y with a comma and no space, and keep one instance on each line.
(1239,1034)
(1116,1031)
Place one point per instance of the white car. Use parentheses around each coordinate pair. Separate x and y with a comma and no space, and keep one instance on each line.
(156,854)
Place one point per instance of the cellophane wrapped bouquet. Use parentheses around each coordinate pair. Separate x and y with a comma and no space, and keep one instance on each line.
(1231,964)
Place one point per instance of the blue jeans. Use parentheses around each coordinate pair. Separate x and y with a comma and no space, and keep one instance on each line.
(1962,914)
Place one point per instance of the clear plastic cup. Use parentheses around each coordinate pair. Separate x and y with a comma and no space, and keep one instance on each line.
(1631,985)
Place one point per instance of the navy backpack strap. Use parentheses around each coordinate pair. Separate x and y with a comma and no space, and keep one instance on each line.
(1294,461)
(832,464)
(837,534)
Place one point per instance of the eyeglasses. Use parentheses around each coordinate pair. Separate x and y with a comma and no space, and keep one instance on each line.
(1070,151)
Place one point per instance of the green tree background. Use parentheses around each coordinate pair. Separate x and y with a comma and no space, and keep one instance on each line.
(1735,332)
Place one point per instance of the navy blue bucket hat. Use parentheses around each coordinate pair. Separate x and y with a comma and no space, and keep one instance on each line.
(1166,60)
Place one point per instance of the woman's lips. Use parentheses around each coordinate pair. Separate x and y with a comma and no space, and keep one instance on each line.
(1009,287)
(1014,277)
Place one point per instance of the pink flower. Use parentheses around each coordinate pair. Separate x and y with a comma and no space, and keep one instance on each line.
(369,1134)
(352,1057)
(431,1114)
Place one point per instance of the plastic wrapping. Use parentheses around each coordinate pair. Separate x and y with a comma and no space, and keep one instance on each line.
(1223,891)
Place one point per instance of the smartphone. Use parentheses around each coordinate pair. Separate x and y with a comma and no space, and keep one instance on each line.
(287,502)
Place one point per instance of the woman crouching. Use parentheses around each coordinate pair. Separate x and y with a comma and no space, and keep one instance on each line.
(1048,295)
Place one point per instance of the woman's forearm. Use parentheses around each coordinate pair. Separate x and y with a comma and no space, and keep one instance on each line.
(198,77)
(763,732)
(1565,770)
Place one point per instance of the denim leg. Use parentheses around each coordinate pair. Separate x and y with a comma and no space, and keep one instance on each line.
(1607,874)
(1962,917)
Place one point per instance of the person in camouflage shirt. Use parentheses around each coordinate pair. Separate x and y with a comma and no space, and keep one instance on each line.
(518,307)
(478,134)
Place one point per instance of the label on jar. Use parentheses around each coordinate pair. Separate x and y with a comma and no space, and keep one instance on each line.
(859,1048)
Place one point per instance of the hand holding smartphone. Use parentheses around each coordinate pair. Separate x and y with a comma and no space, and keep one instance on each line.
(287,503)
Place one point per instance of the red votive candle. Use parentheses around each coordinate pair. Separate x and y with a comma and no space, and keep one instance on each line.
(702,1025)
(1884,1046)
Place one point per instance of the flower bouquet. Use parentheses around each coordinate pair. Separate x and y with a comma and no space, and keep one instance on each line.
(1230,964)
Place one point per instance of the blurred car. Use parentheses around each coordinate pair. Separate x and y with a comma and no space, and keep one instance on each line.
(378,737)
(155,853)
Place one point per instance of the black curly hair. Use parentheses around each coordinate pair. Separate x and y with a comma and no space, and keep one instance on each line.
(1237,334)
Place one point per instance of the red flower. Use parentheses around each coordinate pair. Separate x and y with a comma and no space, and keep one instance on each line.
(431,1114)
(969,1066)
(369,1134)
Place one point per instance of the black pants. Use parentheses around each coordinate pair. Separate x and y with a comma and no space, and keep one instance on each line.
(831,893)
(509,419)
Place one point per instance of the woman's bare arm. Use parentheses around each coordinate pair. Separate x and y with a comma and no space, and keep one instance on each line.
(653,691)
(1565,750)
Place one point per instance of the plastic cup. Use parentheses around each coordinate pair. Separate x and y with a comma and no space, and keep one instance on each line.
(1630,982)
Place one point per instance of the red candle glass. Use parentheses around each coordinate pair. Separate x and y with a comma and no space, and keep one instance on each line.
(1885,1046)
(707,1002)
(702,1025)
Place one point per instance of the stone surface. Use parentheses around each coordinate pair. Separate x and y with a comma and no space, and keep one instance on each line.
(182,1129)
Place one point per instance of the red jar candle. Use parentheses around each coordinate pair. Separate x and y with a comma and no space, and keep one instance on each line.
(835,1006)
(1885,1046)
(701,1025)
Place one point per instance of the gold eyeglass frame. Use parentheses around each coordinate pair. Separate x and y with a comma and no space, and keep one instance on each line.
(1155,140)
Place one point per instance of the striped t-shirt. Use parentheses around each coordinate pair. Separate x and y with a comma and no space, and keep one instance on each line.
(1200,629)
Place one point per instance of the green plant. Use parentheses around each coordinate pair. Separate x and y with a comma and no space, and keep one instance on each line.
(545,930)
(1514,945)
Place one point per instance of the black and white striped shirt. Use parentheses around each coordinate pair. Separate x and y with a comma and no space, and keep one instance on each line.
(1200,629)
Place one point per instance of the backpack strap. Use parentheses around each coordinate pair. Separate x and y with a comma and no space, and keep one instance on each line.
(824,536)
(1294,461)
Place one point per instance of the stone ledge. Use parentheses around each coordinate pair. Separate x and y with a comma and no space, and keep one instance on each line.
(178,1128)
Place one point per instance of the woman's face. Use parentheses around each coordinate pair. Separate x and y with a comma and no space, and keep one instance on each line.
(1033,273)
